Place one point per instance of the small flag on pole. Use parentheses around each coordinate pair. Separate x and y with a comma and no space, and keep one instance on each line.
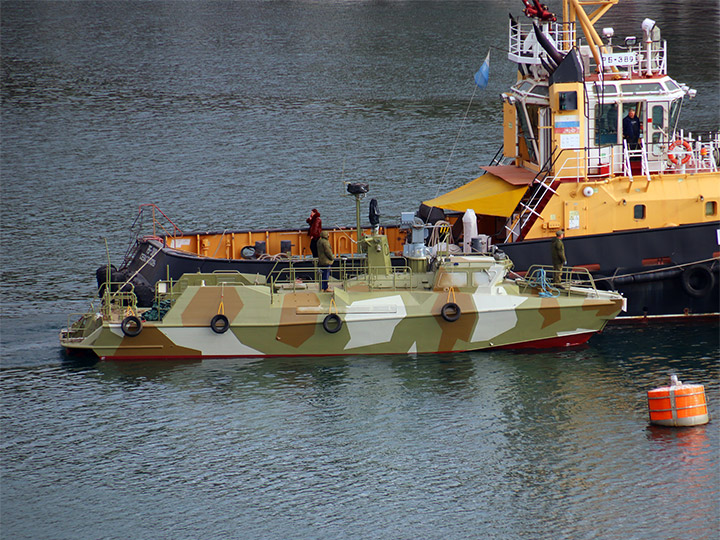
(483,74)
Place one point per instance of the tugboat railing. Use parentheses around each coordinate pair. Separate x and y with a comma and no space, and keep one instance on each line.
(157,223)
(632,155)
(523,47)
(698,154)
(544,185)
(120,300)
(647,58)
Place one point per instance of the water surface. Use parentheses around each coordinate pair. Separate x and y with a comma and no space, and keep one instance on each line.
(240,114)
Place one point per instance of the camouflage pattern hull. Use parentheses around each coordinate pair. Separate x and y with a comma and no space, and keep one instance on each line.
(461,306)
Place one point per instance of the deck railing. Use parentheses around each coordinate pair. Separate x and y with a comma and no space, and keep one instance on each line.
(523,47)
(286,279)
(548,282)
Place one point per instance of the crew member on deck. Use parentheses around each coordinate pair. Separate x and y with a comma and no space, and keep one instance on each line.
(631,130)
(314,231)
(325,258)
(558,255)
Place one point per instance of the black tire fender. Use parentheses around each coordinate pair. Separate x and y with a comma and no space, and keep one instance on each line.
(248,252)
(450,312)
(131,326)
(219,324)
(332,323)
(698,280)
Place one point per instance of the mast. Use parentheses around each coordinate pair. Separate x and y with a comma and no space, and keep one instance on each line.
(576,12)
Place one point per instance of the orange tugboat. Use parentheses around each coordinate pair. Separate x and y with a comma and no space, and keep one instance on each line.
(591,145)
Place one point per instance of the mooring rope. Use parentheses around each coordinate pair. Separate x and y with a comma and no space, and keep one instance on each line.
(546,290)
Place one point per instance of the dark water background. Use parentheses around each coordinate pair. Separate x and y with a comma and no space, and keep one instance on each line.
(241,114)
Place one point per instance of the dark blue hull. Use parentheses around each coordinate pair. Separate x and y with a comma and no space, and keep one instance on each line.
(671,271)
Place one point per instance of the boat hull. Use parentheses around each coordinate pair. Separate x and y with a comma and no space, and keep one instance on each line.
(305,323)
(671,271)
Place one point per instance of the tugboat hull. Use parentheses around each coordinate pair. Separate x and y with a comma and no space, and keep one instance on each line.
(668,272)
(665,272)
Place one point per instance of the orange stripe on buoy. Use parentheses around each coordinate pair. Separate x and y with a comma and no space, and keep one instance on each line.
(678,404)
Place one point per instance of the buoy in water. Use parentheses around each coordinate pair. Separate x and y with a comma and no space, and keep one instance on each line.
(678,405)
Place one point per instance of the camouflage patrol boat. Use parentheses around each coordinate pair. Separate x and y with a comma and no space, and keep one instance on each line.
(436,304)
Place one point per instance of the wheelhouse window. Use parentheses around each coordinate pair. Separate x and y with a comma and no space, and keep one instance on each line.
(606,124)
(605,89)
(540,91)
(657,116)
(525,133)
(639,211)
(644,88)
(675,107)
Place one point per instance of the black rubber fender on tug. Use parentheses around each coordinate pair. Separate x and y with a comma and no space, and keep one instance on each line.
(332,323)
(698,280)
(144,292)
(101,274)
(450,312)
(219,324)
(131,326)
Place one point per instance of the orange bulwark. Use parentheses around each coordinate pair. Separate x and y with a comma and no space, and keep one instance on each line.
(678,406)
(295,242)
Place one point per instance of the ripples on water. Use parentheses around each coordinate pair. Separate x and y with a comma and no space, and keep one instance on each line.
(243,114)
(237,114)
(500,444)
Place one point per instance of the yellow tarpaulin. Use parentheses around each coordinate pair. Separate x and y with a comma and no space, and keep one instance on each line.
(488,194)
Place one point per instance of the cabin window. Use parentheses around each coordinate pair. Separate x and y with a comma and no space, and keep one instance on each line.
(645,88)
(657,116)
(711,208)
(525,134)
(672,86)
(524,86)
(639,211)
(675,107)
(607,89)
(606,122)
(567,101)
(540,90)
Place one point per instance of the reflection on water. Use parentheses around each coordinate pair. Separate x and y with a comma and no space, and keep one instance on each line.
(366,446)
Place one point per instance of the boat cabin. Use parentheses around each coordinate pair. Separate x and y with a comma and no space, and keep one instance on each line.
(565,114)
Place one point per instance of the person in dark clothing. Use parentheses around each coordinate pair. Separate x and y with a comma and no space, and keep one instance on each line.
(631,130)
(558,256)
(325,259)
(314,230)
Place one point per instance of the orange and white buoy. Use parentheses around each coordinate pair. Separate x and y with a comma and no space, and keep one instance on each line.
(678,404)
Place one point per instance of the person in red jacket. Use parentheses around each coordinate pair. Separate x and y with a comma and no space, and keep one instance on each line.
(314,230)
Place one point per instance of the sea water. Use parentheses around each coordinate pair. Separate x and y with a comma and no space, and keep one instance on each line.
(242,114)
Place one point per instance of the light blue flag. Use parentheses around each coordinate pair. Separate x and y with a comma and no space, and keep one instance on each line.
(483,74)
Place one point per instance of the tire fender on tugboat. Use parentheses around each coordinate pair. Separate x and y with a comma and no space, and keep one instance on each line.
(698,280)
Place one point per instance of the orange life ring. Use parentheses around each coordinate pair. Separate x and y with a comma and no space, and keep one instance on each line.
(688,153)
